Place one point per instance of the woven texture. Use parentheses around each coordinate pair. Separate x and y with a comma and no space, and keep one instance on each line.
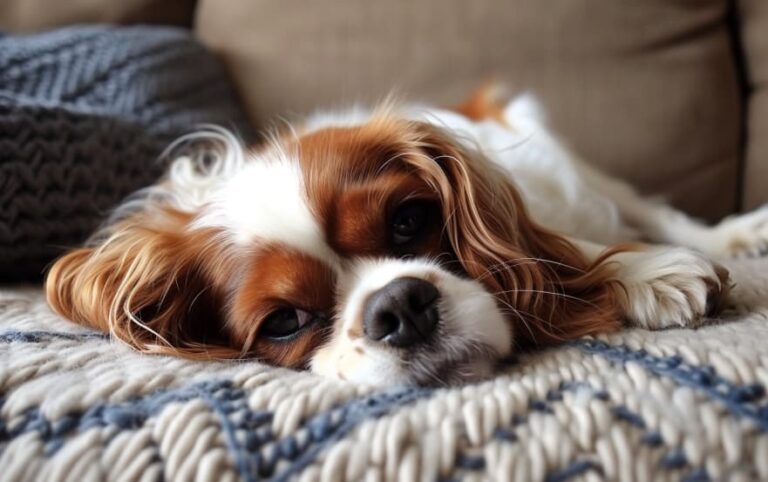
(638,405)
(84,114)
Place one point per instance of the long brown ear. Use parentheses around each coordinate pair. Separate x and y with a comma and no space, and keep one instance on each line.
(145,285)
(549,289)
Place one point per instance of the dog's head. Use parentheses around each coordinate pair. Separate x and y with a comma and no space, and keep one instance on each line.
(385,252)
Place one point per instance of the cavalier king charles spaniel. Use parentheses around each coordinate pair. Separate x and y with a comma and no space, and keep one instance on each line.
(400,245)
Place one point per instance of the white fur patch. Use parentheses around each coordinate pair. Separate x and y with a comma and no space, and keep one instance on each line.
(350,117)
(743,235)
(266,201)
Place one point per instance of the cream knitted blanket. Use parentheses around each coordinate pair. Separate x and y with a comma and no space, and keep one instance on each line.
(671,405)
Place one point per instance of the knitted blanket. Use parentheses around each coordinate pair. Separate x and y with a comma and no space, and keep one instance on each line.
(637,405)
(84,114)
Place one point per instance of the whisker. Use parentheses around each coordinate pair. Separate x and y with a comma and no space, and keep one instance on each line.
(497,267)
(517,313)
(546,325)
(544,292)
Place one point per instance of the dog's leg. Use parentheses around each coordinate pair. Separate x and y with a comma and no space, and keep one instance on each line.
(665,286)
(740,235)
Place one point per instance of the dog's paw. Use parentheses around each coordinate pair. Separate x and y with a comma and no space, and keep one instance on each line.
(667,287)
(743,235)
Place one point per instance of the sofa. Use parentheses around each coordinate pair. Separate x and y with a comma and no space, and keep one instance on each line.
(668,94)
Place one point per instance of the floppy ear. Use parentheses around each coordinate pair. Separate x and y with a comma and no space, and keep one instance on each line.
(145,285)
(543,281)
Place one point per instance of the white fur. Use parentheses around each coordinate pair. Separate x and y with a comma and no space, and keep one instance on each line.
(265,202)
(741,236)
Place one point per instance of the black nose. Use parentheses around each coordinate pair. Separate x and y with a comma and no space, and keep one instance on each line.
(403,313)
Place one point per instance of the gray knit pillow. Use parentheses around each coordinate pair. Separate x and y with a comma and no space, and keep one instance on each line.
(84,114)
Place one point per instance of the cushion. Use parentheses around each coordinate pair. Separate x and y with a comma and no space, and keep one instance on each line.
(34,15)
(637,405)
(84,114)
(647,90)
(753,20)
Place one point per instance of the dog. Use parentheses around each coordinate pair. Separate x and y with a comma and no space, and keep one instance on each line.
(400,245)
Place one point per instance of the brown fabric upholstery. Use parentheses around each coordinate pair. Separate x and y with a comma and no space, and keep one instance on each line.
(753,16)
(647,90)
(36,15)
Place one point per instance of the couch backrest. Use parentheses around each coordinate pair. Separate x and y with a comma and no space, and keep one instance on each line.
(751,23)
(670,94)
(646,89)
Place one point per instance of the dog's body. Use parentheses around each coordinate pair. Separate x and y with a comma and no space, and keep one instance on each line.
(412,245)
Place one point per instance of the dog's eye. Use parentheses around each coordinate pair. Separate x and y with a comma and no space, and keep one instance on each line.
(284,322)
(409,221)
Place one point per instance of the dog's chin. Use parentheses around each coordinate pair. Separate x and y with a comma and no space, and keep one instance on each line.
(450,362)
(444,361)
(454,373)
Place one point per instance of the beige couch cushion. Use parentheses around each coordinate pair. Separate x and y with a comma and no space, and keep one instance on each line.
(754,22)
(645,89)
(35,15)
